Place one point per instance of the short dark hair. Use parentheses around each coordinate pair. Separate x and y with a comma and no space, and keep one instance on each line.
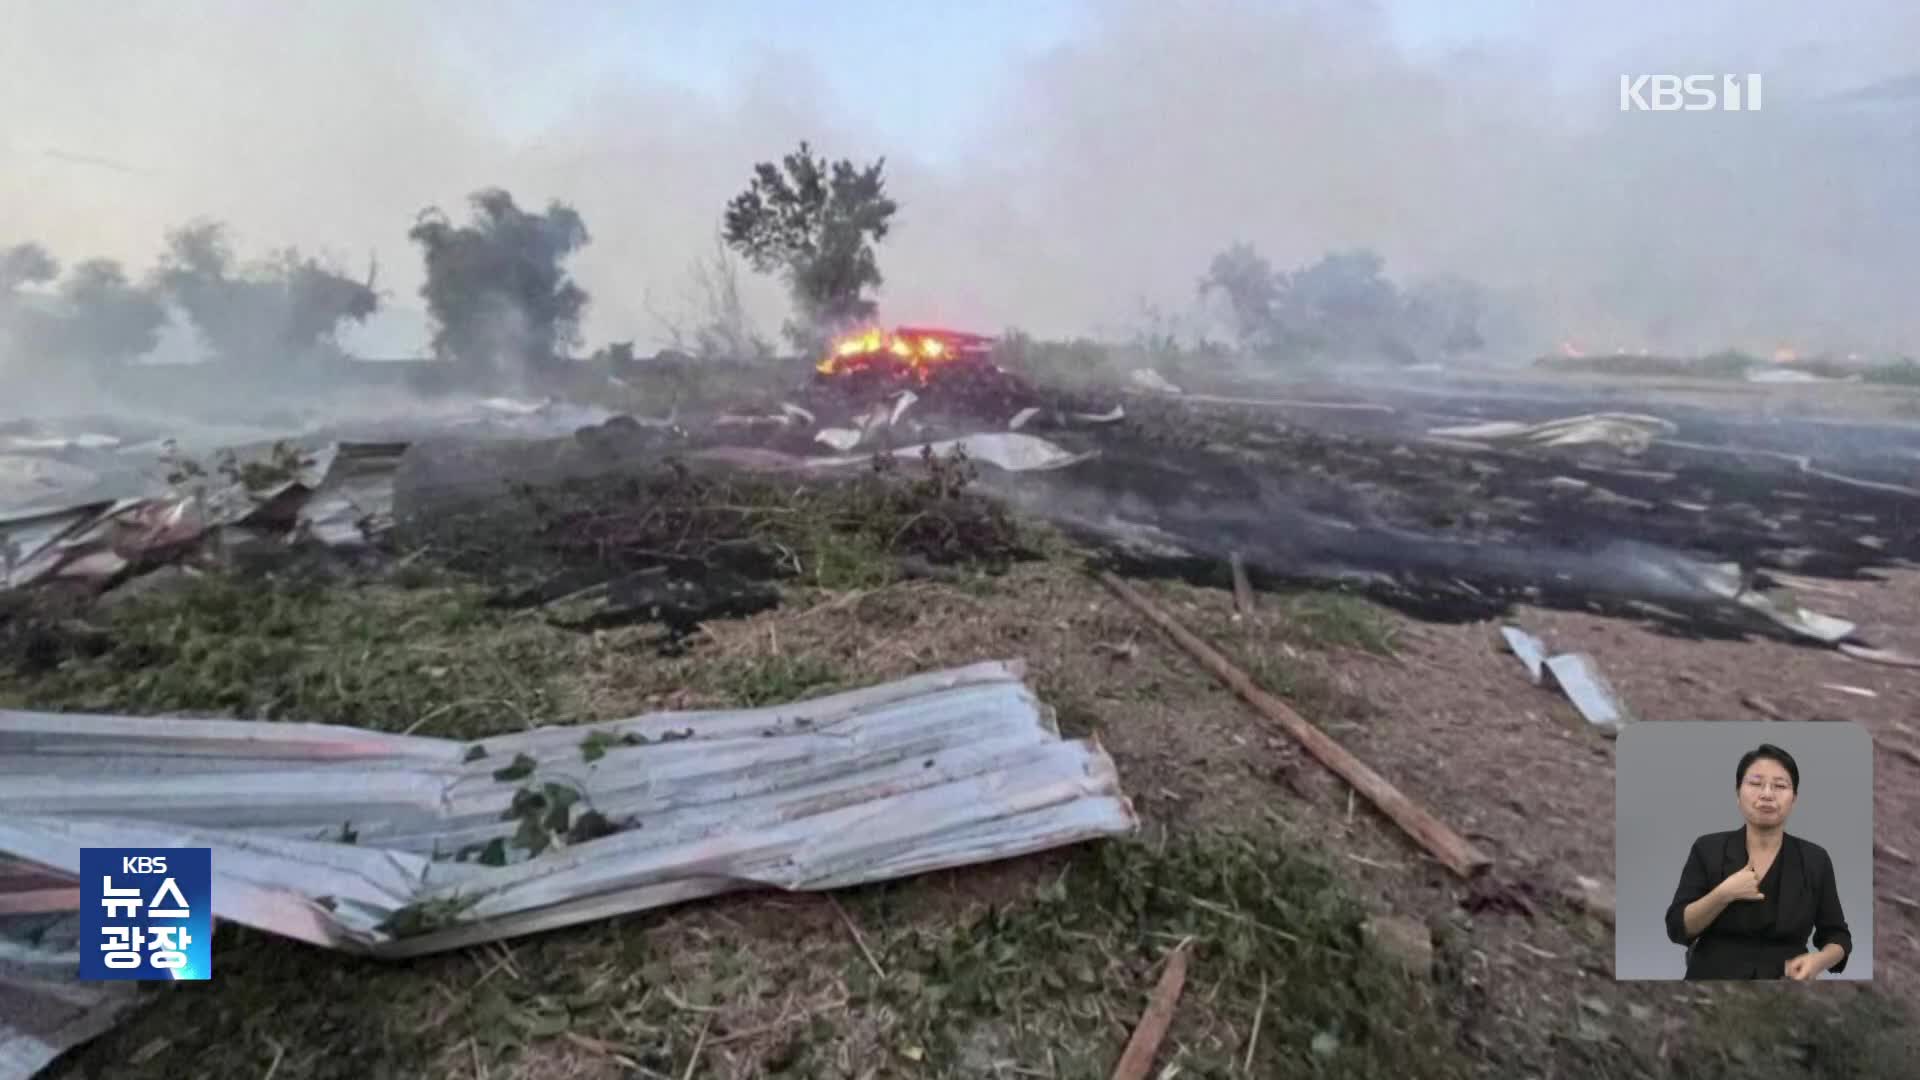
(1773,753)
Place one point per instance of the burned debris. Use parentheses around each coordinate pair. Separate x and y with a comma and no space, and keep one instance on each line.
(898,467)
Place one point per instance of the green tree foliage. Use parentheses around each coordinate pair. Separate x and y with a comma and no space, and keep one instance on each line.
(281,307)
(815,224)
(497,287)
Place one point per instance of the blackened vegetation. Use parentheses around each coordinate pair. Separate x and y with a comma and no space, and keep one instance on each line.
(499,294)
(677,545)
(1443,532)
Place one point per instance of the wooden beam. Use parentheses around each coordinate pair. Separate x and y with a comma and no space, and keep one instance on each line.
(1242,588)
(1137,1060)
(1442,842)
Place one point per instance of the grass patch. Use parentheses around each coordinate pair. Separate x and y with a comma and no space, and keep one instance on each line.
(276,648)
(1336,620)
(1057,982)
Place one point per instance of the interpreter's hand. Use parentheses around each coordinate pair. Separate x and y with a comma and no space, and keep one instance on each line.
(1742,884)
(1804,967)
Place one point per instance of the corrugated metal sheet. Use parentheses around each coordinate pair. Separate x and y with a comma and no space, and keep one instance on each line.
(938,770)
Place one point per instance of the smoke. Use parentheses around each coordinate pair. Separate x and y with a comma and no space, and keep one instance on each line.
(1096,178)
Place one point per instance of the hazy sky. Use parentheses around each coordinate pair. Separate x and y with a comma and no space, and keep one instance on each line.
(1060,164)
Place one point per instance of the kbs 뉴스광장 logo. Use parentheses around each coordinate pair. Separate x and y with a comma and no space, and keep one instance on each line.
(146,913)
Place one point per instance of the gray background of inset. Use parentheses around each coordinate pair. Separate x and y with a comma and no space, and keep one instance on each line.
(1675,781)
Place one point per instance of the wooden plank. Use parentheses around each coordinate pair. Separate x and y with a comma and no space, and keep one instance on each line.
(1436,837)
(1137,1059)
(1242,588)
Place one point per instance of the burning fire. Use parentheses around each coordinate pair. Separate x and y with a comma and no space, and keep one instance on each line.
(1785,354)
(908,352)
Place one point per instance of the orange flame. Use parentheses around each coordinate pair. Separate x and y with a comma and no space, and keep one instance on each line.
(863,349)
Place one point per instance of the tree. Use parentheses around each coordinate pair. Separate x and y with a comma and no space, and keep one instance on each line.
(1447,314)
(287,305)
(815,224)
(107,320)
(1247,282)
(25,264)
(1343,308)
(499,295)
(94,319)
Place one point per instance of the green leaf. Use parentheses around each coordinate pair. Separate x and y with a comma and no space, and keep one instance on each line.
(531,837)
(521,768)
(594,746)
(591,826)
(495,853)
(475,752)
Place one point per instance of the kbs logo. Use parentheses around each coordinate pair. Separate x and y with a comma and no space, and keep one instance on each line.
(1689,93)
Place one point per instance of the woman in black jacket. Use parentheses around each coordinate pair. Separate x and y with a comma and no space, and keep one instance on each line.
(1750,898)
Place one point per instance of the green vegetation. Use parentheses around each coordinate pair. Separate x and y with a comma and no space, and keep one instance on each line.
(435,659)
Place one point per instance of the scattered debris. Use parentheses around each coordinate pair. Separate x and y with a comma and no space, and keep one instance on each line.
(1111,416)
(807,796)
(1406,941)
(1531,651)
(1576,674)
(1783,375)
(1856,691)
(340,496)
(1628,432)
(48,1011)
(1149,379)
(1449,847)
(1020,418)
(1137,1061)
(1893,853)
(1011,451)
(1580,678)
(1889,657)
(841,439)
(1762,706)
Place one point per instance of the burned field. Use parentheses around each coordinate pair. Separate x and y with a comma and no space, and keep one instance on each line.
(740,560)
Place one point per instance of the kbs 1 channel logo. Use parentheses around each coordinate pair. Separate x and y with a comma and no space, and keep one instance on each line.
(1690,93)
(146,913)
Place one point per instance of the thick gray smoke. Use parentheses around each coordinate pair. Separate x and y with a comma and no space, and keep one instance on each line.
(1100,176)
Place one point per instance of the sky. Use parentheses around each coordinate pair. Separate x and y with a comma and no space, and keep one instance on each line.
(1063,167)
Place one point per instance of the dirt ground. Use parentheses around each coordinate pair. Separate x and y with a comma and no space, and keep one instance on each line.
(1040,966)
